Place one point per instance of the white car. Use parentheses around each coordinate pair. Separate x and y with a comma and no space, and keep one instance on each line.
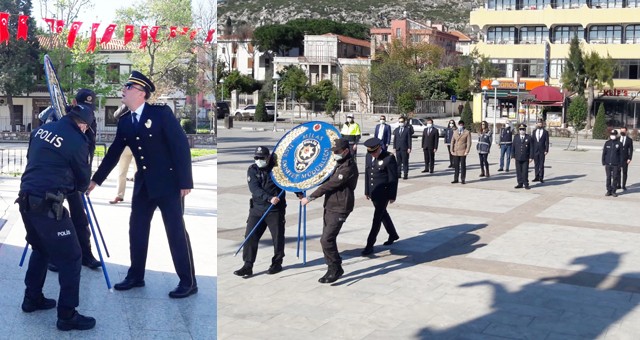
(248,112)
(418,127)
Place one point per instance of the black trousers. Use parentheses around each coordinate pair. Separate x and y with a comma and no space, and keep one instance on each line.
(450,155)
(538,161)
(332,223)
(403,162)
(623,179)
(459,167)
(380,217)
(522,172)
(171,208)
(613,177)
(275,221)
(80,222)
(429,159)
(53,242)
(484,162)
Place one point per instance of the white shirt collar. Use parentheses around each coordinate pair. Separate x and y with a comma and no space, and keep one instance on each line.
(139,110)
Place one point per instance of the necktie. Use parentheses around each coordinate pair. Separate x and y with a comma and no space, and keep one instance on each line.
(522,138)
(429,131)
(623,140)
(401,129)
(135,119)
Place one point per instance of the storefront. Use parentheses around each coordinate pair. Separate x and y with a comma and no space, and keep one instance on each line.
(622,107)
(507,95)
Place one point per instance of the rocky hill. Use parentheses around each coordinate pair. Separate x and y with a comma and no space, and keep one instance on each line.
(377,13)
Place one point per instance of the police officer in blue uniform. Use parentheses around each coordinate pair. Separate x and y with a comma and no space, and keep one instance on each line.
(381,187)
(264,193)
(523,155)
(57,165)
(164,178)
(612,159)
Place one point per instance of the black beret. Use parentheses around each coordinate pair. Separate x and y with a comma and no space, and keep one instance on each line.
(84,112)
(261,151)
(340,144)
(86,96)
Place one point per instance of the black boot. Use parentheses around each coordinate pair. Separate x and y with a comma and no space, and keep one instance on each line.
(41,303)
(245,271)
(333,274)
(487,171)
(274,269)
(76,321)
(90,261)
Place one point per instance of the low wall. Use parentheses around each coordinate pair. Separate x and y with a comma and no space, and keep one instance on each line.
(107,137)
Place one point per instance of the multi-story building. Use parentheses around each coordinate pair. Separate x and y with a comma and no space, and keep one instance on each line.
(531,37)
(408,30)
(238,53)
(463,46)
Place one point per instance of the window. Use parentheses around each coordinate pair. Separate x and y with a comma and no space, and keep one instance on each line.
(502,4)
(415,38)
(528,68)
(113,73)
(17,115)
(632,34)
(627,69)
(501,35)
(109,120)
(533,35)
(570,3)
(398,33)
(605,34)
(564,34)
(633,3)
(606,3)
(385,37)
(354,84)
(556,68)
(535,4)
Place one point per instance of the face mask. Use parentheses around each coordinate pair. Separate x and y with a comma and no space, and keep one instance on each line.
(401,124)
(612,137)
(508,126)
(623,134)
(461,128)
(450,125)
(338,157)
(522,132)
(261,163)
(382,122)
(429,125)
(350,120)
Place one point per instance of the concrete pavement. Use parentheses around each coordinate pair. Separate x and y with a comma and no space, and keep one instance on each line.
(142,313)
(475,261)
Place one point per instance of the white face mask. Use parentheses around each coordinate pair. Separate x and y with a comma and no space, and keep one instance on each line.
(261,163)
(350,120)
(461,128)
(522,132)
(401,124)
(450,125)
(429,125)
(507,126)
(612,137)
(338,156)
(382,121)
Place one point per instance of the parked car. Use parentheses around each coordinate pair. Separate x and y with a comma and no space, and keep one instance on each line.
(248,112)
(222,110)
(418,127)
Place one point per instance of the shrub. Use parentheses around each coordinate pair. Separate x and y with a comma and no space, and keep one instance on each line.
(600,125)
(467,116)
(187,126)
(261,111)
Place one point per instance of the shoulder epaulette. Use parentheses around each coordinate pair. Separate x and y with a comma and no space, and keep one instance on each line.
(158,104)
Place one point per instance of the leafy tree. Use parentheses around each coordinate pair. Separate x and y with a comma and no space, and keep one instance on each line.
(474,68)
(438,84)
(389,78)
(573,75)
(19,59)
(294,82)
(321,91)
(277,38)
(417,55)
(261,111)
(238,81)
(577,114)
(406,103)
(331,105)
(467,116)
(600,126)
(598,73)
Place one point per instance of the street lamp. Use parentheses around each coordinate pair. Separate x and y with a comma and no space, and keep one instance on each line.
(222,83)
(495,83)
(562,89)
(276,77)
(484,102)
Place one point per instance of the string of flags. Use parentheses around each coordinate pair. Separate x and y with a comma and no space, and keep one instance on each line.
(56,26)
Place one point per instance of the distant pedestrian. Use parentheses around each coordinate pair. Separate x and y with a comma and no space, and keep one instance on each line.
(460,147)
(383,132)
(612,159)
(506,140)
(448,136)
(522,155)
(484,147)
(402,145)
(351,132)
(381,186)
(627,155)
(540,148)
(430,138)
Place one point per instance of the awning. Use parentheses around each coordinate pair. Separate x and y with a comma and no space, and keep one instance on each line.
(547,94)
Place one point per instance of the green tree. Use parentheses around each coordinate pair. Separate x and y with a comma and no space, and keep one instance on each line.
(19,59)
(577,114)
(389,78)
(331,105)
(294,83)
(406,103)
(573,75)
(474,68)
(277,38)
(238,81)
(438,84)
(598,73)
(467,116)
(261,111)
(600,126)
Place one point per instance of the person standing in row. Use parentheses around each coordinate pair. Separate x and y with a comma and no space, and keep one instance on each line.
(460,147)
(523,155)
(383,132)
(612,159)
(540,149)
(448,136)
(627,156)
(430,138)
(339,199)
(381,187)
(402,145)
(351,132)
(506,139)
(484,146)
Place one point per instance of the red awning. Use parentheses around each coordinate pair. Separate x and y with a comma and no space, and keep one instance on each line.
(547,94)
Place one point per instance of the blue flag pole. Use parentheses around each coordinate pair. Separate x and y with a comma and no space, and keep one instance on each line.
(257,224)
(24,253)
(98,226)
(95,238)
(299,226)
(304,235)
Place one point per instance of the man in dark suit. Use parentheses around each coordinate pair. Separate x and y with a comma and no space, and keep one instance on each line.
(612,159)
(381,186)
(161,150)
(522,154)
(383,132)
(430,137)
(627,155)
(402,144)
(540,149)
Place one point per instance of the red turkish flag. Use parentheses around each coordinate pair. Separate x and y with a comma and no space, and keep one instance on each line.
(128,34)
(51,23)
(92,40)
(60,26)
(108,33)
(184,30)
(143,36)
(210,36)
(4,27)
(71,38)
(173,31)
(193,33)
(154,33)
(23,27)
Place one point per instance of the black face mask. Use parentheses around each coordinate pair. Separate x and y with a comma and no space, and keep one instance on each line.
(623,134)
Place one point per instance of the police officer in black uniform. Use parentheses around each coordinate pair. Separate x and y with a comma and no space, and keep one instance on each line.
(381,186)
(338,204)
(264,193)
(57,165)
(523,155)
(161,150)
(612,158)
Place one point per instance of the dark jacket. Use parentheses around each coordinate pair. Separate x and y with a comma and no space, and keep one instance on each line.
(430,140)
(506,136)
(57,159)
(627,149)
(263,189)
(484,143)
(448,135)
(160,148)
(522,150)
(386,133)
(402,141)
(612,153)
(542,145)
(381,177)
(338,188)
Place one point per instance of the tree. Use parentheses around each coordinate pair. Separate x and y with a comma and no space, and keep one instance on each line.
(475,67)
(598,73)
(238,81)
(19,59)
(600,126)
(261,111)
(438,84)
(406,103)
(573,74)
(390,78)
(416,55)
(577,114)
(467,116)
(331,105)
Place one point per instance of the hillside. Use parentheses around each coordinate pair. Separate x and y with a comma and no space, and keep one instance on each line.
(453,13)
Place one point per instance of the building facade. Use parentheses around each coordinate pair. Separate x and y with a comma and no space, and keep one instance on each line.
(531,38)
